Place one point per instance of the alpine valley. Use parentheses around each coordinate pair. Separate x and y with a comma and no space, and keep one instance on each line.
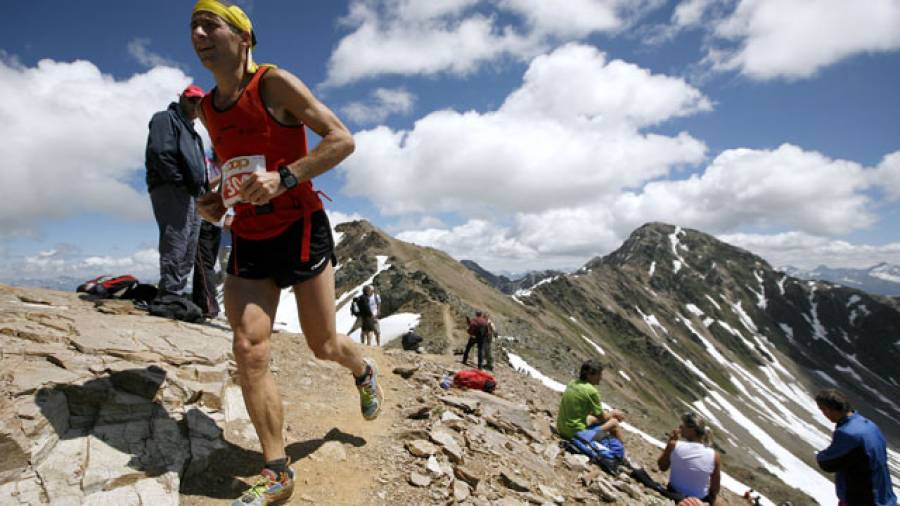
(683,322)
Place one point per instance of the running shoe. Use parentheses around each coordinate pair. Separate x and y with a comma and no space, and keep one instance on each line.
(270,489)
(370,396)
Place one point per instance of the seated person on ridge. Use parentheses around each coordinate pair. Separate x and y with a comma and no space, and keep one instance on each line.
(580,406)
(695,466)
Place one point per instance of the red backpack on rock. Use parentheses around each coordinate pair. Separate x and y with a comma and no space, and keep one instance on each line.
(109,287)
(475,379)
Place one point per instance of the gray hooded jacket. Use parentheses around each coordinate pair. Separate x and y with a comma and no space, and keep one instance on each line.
(175,153)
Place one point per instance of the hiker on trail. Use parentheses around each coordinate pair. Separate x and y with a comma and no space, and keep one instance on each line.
(205,282)
(257,118)
(176,175)
(370,324)
(695,472)
(489,343)
(478,330)
(366,308)
(857,454)
(580,406)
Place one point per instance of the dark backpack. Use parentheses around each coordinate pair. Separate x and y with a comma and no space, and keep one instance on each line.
(360,307)
(109,287)
(411,341)
(478,327)
(141,294)
(176,308)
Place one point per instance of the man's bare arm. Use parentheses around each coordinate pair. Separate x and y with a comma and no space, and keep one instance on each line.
(288,97)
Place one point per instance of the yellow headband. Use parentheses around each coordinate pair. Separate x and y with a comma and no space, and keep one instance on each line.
(234,16)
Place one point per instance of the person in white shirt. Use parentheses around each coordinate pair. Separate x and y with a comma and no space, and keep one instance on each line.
(370,322)
(695,475)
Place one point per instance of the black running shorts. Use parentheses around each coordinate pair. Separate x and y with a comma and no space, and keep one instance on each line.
(279,257)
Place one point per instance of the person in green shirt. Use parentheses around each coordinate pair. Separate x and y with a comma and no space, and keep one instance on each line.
(580,405)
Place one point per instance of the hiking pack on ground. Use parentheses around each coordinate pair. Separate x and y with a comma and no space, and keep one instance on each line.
(108,286)
(411,341)
(359,306)
(125,286)
(603,449)
(475,379)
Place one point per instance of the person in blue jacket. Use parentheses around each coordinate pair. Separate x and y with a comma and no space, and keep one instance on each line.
(176,176)
(857,454)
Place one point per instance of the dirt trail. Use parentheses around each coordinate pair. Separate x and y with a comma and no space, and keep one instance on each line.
(334,450)
(448,326)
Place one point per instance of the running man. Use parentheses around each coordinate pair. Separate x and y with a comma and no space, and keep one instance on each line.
(256,116)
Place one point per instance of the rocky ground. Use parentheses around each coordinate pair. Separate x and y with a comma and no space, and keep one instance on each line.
(102,403)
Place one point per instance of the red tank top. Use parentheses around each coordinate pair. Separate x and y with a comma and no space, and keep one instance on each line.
(247,128)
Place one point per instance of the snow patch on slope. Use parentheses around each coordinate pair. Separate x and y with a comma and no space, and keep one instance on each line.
(789,468)
(526,292)
(651,322)
(826,377)
(521,365)
(761,301)
(696,311)
(780,283)
(595,345)
(673,240)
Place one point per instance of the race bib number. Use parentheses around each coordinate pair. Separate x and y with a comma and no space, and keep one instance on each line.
(235,171)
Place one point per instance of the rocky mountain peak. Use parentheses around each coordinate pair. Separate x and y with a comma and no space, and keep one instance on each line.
(670,249)
(364,236)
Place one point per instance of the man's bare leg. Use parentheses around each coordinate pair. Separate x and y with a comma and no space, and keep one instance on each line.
(316,298)
(250,305)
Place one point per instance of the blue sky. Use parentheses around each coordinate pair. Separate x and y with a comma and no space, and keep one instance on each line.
(518,133)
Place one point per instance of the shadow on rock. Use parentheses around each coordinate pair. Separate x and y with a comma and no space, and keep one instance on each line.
(113,432)
(220,478)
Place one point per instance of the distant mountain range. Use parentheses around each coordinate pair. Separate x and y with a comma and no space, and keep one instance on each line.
(61,283)
(683,321)
(510,286)
(881,279)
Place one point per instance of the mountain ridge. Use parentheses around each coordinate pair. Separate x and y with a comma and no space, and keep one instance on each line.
(685,319)
(882,278)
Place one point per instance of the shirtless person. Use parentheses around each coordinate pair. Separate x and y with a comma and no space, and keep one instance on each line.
(256,115)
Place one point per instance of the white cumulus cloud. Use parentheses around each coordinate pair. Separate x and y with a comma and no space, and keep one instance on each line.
(570,134)
(490,245)
(766,39)
(787,186)
(382,103)
(888,175)
(406,37)
(807,251)
(73,137)
(139,49)
(689,13)
(143,264)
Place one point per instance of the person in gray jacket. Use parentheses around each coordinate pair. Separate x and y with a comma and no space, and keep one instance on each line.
(176,175)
